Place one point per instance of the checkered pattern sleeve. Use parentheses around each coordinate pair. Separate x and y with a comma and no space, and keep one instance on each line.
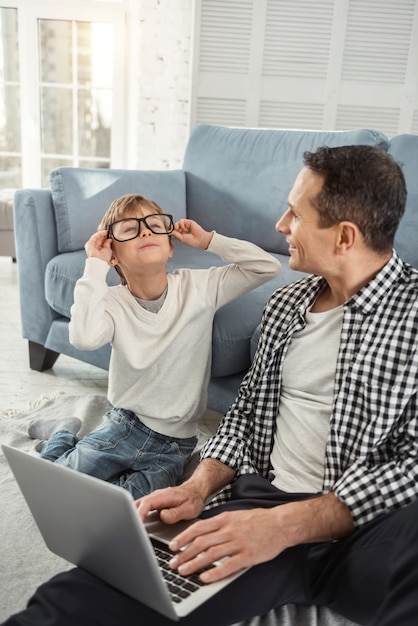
(372,451)
(237,436)
(240,441)
(387,477)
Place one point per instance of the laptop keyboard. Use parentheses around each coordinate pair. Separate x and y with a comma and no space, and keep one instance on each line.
(179,587)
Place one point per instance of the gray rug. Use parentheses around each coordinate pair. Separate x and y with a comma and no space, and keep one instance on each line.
(25,562)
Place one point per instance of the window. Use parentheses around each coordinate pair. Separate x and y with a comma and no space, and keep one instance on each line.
(10,136)
(62,80)
(75,93)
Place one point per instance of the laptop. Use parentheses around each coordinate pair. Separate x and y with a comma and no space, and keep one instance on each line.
(95,525)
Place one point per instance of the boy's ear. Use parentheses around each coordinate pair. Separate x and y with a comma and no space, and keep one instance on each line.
(171,248)
(113,261)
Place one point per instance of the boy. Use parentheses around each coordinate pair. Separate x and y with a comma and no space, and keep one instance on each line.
(159,326)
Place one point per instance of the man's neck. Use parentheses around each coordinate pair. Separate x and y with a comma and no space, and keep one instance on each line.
(343,285)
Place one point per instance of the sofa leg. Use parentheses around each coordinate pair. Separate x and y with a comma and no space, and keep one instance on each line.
(41,358)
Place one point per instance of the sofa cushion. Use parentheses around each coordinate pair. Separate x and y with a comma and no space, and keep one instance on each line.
(81,197)
(238,180)
(61,275)
(404,149)
(234,323)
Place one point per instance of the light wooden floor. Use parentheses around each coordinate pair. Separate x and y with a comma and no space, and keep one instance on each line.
(19,385)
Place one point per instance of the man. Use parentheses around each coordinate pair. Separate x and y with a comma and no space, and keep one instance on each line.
(317,457)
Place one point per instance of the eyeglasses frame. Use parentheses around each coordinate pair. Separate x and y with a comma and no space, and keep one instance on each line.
(111,235)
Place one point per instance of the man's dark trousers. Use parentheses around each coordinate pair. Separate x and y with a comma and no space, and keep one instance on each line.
(370,577)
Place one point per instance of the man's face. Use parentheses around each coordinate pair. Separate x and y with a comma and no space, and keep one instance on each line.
(310,247)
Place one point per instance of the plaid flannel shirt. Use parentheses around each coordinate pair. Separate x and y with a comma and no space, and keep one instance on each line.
(372,447)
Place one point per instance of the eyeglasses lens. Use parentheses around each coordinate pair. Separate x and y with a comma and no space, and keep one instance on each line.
(158,224)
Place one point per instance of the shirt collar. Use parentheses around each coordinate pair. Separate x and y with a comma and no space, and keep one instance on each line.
(380,286)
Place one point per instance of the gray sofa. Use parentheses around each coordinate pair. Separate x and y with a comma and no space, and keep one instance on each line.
(233,180)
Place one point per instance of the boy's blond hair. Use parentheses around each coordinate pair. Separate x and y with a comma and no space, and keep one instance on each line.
(122,207)
(127,204)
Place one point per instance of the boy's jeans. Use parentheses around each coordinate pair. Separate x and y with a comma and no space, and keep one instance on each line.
(125,452)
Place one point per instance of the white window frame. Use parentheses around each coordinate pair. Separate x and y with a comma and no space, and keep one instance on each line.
(29,11)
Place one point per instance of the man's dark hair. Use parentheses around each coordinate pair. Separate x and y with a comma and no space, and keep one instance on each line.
(363,185)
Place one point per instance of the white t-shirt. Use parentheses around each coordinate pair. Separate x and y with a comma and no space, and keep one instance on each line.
(305,403)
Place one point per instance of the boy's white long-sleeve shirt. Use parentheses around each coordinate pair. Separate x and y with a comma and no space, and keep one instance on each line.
(160,362)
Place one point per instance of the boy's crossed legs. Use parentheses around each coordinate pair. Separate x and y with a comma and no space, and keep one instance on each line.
(122,451)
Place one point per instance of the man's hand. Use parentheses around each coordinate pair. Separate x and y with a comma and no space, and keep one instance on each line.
(249,537)
(245,537)
(190,233)
(173,503)
(186,501)
(99,246)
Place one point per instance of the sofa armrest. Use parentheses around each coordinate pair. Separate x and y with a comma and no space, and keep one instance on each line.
(36,243)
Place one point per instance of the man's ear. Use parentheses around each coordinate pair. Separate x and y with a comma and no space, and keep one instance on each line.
(348,235)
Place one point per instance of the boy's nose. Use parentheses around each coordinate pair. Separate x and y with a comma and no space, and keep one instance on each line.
(144,230)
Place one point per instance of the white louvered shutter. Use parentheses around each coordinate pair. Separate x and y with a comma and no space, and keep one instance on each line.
(323,64)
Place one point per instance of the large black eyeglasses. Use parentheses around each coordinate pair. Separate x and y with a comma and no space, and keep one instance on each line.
(129,228)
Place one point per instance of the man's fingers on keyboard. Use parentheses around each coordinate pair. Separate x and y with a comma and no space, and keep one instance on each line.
(229,566)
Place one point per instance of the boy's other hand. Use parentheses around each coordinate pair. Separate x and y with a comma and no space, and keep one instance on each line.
(190,233)
(99,246)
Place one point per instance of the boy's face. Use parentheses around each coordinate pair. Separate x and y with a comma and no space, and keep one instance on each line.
(147,252)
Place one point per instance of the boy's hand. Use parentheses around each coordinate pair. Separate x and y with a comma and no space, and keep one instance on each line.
(190,233)
(99,246)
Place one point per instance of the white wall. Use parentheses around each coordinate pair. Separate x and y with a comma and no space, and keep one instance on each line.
(164,82)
